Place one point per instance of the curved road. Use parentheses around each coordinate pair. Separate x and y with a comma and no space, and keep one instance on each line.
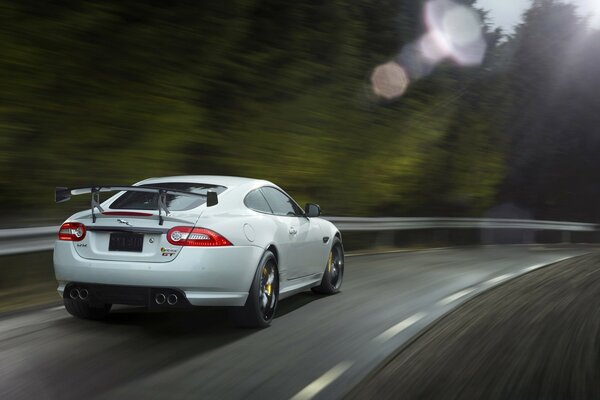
(535,337)
(318,347)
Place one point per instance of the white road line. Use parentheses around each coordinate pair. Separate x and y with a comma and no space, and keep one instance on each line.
(374,253)
(56,308)
(399,327)
(397,251)
(533,267)
(452,298)
(323,381)
(499,279)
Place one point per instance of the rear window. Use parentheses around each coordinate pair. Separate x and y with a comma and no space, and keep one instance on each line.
(149,201)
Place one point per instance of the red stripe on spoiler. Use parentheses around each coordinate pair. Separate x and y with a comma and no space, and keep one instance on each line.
(127,214)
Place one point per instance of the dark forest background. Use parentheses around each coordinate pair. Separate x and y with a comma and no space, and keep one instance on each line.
(118,91)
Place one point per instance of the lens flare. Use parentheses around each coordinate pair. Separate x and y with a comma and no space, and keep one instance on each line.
(433,48)
(454,31)
(389,80)
(415,62)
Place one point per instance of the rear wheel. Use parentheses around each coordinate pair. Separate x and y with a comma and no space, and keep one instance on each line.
(83,310)
(259,310)
(334,270)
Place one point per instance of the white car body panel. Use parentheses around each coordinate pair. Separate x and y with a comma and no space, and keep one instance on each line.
(207,275)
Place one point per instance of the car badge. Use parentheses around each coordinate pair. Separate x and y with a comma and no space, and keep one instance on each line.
(123,222)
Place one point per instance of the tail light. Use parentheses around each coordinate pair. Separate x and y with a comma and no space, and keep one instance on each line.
(71,231)
(188,236)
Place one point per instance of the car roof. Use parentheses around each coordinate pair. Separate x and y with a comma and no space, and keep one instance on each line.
(227,181)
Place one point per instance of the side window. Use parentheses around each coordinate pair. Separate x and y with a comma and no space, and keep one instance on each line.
(256,201)
(280,203)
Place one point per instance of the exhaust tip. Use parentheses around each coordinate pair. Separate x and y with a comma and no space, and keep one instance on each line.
(160,298)
(74,294)
(172,299)
(83,294)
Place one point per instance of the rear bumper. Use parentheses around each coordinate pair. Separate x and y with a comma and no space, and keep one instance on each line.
(98,295)
(219,276)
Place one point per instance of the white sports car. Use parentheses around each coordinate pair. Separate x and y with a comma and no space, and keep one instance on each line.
(194,241)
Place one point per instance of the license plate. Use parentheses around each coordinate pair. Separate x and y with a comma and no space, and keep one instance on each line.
(126,242)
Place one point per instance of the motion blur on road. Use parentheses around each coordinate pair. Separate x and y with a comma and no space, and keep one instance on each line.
(331,343)
(370,108)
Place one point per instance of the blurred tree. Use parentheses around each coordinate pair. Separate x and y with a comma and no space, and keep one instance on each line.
(119,91)
(554,119)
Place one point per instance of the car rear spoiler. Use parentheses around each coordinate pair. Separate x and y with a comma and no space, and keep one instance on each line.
(63,194)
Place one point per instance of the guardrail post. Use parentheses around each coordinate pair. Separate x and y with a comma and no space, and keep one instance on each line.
(487,236)
(566,237)
(528,236)
(441,236)
(385,239)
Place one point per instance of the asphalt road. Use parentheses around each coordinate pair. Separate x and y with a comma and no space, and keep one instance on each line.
(536,337)
(317,347)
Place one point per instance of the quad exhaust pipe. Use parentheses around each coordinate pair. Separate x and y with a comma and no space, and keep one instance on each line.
(172,299)
(161,298)
(77,293)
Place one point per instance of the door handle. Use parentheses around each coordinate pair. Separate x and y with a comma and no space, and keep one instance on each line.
(293,230)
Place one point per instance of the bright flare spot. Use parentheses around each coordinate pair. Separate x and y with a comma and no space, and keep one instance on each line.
(389,80)
(455,31)
(430,48)
(462,25)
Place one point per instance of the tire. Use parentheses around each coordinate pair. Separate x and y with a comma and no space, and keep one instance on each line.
(82,309)
(261,304)
(334,270)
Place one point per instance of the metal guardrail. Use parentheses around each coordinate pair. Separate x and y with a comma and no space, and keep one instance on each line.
(393,224)
(27,240)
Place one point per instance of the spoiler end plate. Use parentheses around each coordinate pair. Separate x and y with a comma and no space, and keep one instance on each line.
(62,194)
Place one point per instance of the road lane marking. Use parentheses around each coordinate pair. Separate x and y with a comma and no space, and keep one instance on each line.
(499,279)
(452,298)
(56,308)
(323,381)
(533,267)
(536,266)
(375,253)
(399,327)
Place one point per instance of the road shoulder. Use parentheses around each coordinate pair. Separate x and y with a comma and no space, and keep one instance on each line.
(532,337)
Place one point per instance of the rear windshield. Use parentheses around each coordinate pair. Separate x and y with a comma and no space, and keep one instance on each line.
(149,201)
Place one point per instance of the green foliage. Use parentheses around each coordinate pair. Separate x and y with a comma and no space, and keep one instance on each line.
(119,91)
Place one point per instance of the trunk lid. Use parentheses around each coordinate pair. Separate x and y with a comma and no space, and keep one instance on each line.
(124,236)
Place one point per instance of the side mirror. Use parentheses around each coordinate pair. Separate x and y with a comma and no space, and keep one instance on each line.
(312,210)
